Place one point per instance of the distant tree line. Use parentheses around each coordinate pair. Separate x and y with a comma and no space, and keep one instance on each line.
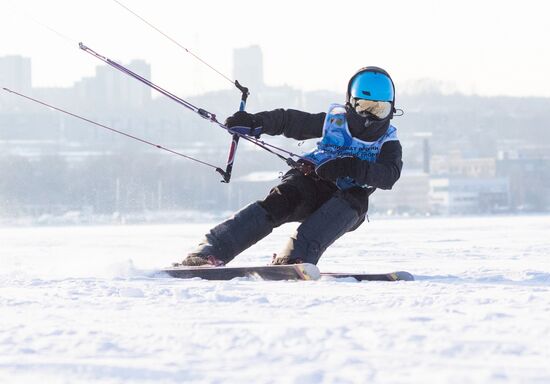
(124,183)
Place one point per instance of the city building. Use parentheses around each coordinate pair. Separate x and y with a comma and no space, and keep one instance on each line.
(529,174)
(110,89)
(248,67)
(409,195)
(461,195)
(15,73)
(454,164)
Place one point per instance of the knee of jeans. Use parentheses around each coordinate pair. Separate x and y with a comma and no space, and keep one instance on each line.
(357,199)
(281,203)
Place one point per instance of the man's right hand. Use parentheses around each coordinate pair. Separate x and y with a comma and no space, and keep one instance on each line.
(244,123)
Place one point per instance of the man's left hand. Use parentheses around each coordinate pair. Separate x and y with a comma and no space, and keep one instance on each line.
(342,167)
(244,123)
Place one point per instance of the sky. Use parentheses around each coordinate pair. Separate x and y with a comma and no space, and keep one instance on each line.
(474,47)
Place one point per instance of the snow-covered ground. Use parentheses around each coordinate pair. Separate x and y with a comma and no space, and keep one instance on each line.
(81,304)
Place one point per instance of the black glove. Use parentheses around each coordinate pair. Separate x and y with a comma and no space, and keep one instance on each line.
(244,123)
(343,167)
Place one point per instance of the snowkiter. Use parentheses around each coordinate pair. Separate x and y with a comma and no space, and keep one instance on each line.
(359,152)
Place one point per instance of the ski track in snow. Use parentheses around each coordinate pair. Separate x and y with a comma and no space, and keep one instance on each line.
(83,304)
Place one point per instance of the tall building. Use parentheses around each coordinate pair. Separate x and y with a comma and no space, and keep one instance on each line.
(15,73)
(111,89)
(138,94)
(248,64)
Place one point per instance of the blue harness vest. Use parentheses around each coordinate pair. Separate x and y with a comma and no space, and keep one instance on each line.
(337,141)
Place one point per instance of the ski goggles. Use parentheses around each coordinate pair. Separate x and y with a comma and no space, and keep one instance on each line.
(378,109)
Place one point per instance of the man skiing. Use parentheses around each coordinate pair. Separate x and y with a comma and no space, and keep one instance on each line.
(359,152)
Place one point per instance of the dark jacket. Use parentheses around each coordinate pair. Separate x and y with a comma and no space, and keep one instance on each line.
(302,126)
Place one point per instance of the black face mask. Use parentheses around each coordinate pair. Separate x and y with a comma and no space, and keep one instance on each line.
(367,128)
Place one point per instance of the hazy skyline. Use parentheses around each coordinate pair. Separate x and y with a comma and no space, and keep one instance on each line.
(483,47)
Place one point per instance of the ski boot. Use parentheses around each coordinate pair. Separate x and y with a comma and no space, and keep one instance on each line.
(196,260)
(284,260)
(228,239)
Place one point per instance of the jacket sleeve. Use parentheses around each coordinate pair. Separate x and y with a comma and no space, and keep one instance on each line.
(387,169)
(292,123)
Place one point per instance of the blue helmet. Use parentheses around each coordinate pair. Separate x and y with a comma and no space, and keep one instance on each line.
(371,83)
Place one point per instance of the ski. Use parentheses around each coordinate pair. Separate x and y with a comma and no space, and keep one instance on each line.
(393,276)
(278,272)
(268,272)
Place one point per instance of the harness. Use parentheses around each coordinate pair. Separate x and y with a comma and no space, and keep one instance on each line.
(337,141)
